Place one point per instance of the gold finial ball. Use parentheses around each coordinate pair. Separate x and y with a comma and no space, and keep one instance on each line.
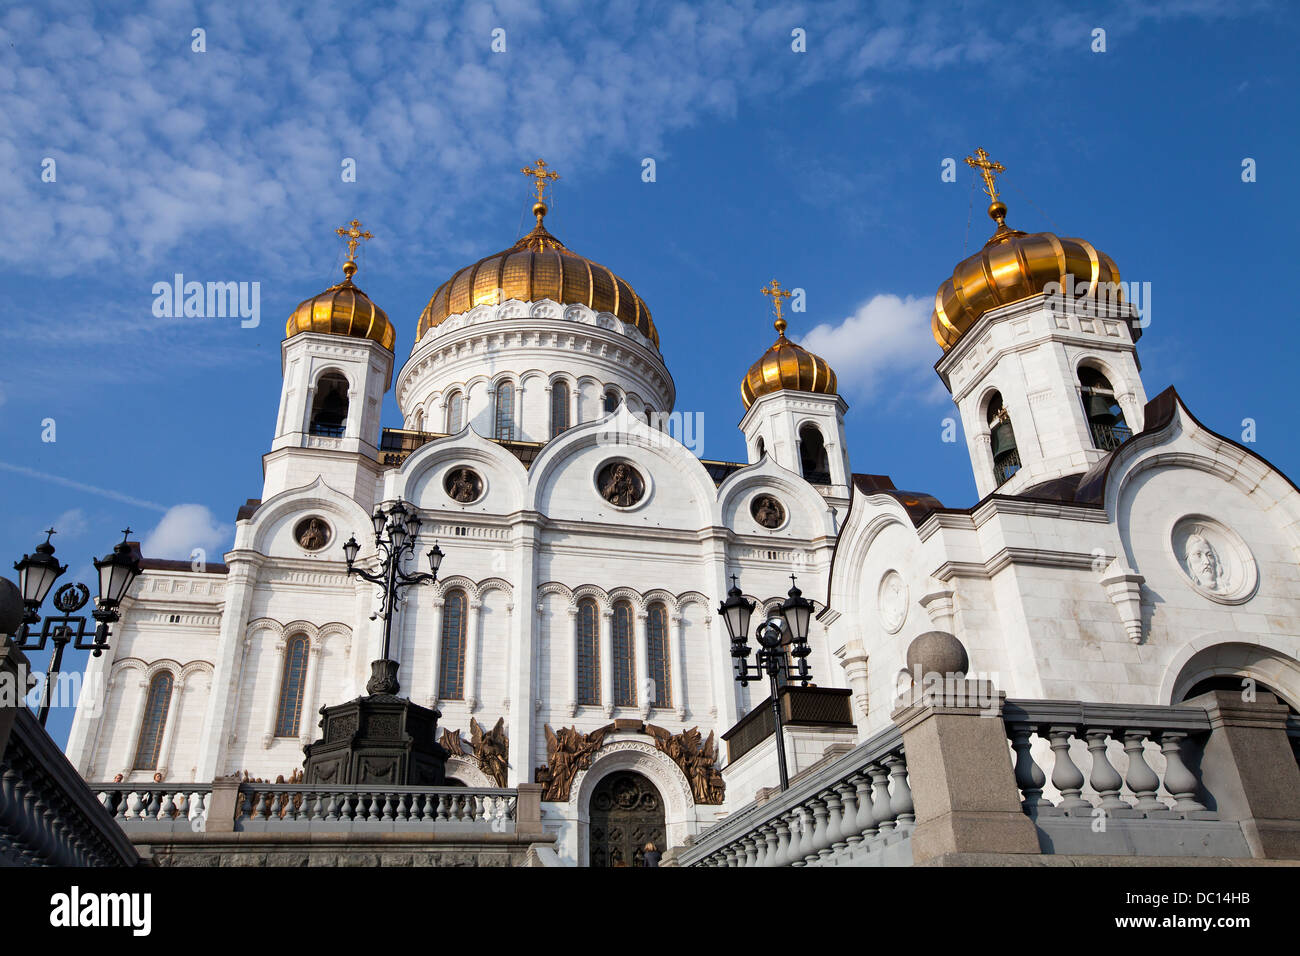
(539,210)
(349,268)
(997,210)
(781,325)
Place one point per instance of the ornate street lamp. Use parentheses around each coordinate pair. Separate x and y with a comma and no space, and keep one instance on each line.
(396,531)
(775,637)
(37,574)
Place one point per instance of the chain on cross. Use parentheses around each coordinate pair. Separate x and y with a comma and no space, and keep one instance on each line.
(988,168)
(541,175)
(353,234)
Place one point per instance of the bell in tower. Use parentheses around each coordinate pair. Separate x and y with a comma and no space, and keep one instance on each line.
(1006,458)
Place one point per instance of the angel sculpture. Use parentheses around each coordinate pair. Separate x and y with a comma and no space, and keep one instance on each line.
(452,742)
(567,752)
(491,749)
(697,759)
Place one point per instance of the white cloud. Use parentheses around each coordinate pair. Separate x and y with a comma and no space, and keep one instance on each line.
(184,528)
(70,524)
(886,338)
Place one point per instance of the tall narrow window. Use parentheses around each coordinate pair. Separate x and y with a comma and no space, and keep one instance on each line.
(451,680)
(588,653)
(611,401)
(329,407)
(505,412)
(657,656)
(292,682)
(559,408)
(154,722)
(455,413)
(624,657)
(812,456)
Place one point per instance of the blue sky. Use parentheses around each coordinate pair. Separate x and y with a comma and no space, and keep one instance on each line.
(820,168)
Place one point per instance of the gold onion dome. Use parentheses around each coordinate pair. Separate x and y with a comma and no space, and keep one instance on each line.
(1012,266)
(538,266)
(785,365)
(344,309)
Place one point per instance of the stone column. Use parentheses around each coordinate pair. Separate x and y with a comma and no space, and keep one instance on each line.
(436,644)
(575,405)
(315,661)
(676,637)
(641,659)
(726,691)
(572,702)
(220,715)
(958,762)
(520,648)
(606,660)
(1248,768)
(854,663)
(471,655)
(169,727)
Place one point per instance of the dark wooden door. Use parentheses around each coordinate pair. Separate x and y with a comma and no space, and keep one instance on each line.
(626,814)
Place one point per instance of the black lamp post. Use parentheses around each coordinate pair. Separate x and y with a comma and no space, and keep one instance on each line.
(396,531)
(774,637)
(37,574)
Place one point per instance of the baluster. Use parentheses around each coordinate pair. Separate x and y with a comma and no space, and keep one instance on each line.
(442,808)
(900,804)
(782,857)
(332,807)
(105,800)
(429,808)
(1066,777)
(821,842)
(1104,778)
(1029,776)
(866,820)
(1179,780)
(849,817)
(881,814)
(180,805)
(119,805)
(1141,779)
(165,806)
(730,854)
(317,807)
(134,805)
(805,847)
(834,822)
(748,852)
(388,815)
(403,800)
(769,845)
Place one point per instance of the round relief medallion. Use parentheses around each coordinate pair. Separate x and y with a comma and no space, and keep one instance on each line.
(1214,559)
(767,511)
(891,601)
(312,534)
(464,485)
(620,484)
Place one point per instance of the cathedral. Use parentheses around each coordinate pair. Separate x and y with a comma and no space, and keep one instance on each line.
(1120,551)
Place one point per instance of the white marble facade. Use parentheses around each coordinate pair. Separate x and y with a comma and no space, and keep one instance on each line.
(1174,560)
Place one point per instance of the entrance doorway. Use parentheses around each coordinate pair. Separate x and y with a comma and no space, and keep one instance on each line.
(626,814)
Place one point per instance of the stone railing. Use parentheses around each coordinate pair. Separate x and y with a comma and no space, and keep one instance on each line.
(157,807)
(856,810)
(1110,732)
(266,807)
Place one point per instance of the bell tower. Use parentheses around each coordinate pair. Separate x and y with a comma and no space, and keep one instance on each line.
(337,363)
(1040,353)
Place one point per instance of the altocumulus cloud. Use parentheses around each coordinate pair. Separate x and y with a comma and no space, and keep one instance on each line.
(885,339)
(184,528)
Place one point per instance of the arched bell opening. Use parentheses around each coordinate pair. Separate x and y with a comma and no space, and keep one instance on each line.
(329,407)
(1002,436)
(813,462)
(1104,414)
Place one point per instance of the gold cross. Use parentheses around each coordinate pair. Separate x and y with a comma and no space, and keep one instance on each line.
(354,235)
(540,175)
(987,168)
(777,294)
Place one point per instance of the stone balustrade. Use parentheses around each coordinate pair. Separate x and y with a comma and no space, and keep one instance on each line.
(156,806)
(279,806)
(1157,747)
(855,810)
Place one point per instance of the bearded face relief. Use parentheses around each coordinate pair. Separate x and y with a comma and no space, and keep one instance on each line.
(463,485)
(1203,562)
(312,534)
(620,484)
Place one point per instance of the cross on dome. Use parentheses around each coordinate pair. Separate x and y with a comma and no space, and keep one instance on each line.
(354,235)
(774,290)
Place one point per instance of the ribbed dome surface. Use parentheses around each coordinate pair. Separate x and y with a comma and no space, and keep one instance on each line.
(342,309)
(789,366)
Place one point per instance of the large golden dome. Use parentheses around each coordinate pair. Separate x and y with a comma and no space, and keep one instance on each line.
(786,365)
(538,266)
(343,309)
(1012,266)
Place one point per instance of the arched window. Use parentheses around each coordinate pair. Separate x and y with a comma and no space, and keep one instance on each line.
(1006,458)
(417,421)
(624,656)
(455,412)
(812,456)
(451,680)
(154,722)
(588,640)
(762,448)
(559,408)
(329,406)
(657,656)
(1105,417)
(505,412)
(292,681)
(611,400)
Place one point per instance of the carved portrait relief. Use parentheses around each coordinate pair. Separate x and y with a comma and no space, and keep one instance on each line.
(620,484)
(1214,559)
(464,485)
(767,511)
(312,534)
(891,601)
